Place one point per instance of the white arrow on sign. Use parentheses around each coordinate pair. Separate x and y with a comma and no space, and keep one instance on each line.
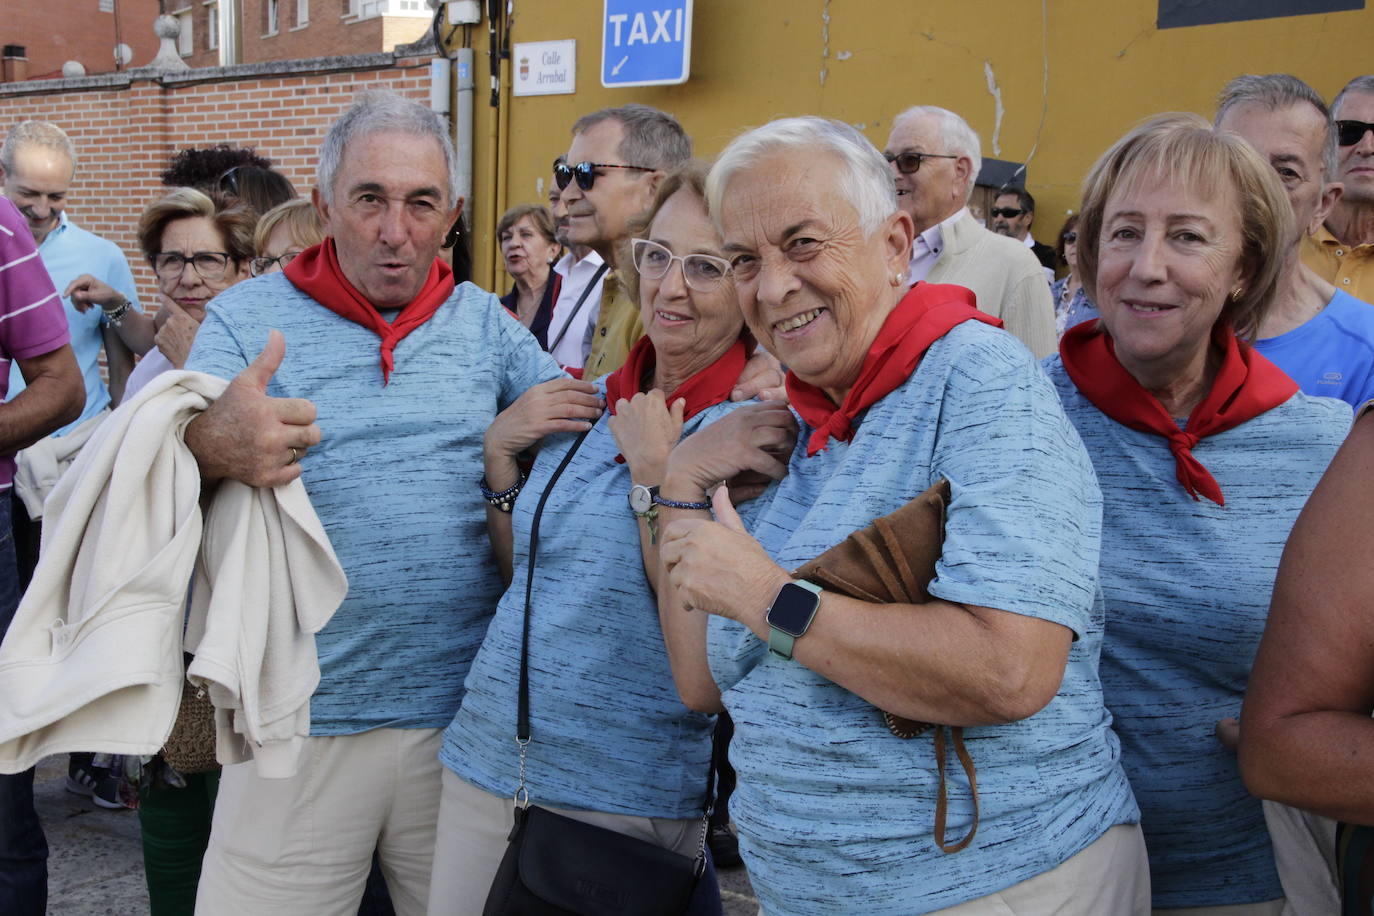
(623,61)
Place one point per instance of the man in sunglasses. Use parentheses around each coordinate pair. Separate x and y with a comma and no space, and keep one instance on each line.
(935,159)
(1013,212)
(1342,250)
(579,295)
(616,160)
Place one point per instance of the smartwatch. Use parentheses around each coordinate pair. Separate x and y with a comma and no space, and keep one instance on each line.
(791,614)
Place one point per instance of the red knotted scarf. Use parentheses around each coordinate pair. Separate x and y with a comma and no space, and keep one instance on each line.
(707,388)
(316,273)
(1246,386)
(925,314)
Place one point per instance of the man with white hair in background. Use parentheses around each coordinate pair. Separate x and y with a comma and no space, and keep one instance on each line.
(935,158)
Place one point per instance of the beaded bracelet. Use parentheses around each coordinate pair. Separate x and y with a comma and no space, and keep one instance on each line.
(505,500)
(674,504)
(115,317)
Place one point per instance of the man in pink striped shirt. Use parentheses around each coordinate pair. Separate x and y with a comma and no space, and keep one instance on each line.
(33,333)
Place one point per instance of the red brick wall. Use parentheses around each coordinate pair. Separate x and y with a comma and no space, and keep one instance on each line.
(124,137)
(56,31)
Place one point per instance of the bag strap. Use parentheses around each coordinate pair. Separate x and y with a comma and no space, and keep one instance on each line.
(522,721)
(586,291)
(522,724)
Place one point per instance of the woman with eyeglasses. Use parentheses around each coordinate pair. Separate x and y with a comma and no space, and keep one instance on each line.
(840,808)
(1071,303)
(525,233)
(284,232)
(198,245)
(612,743)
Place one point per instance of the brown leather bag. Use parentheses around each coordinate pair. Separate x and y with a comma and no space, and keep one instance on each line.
(892,562)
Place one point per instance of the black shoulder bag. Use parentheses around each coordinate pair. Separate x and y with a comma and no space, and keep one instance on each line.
(556,865)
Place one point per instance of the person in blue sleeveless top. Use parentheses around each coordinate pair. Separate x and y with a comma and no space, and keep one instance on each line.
(1205,452)
(612,744)
(896,388)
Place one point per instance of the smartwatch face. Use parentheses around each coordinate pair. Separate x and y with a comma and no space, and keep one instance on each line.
(793,609)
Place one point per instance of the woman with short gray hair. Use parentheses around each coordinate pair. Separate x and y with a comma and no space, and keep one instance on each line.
(898,390)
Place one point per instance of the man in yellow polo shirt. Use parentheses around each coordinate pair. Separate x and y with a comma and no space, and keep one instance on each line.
(1342,250)
(617,159)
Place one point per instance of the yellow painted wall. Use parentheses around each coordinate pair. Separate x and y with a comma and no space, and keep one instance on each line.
(1073,76)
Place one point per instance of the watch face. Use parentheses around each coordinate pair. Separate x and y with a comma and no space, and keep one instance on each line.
(641,499)
(793,609)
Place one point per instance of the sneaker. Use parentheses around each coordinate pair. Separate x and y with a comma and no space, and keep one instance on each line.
(97,783)
(724,846)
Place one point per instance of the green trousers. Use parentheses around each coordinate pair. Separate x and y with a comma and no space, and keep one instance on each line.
(176,830)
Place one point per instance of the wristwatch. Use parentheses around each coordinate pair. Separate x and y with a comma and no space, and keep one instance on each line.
(790,615)
(643,503)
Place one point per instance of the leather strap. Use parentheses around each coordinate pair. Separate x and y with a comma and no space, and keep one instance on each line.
(942,801)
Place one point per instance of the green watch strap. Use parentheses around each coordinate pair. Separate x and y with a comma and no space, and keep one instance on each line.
(780,642)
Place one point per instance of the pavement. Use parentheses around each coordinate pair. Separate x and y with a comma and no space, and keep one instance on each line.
(95,860)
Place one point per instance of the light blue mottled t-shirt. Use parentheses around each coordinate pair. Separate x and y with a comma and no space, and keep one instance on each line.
(1187,586)
(836,814)
(394,481)
(609,732)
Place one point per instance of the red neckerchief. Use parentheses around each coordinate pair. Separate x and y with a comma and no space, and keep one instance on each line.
(316,273)
(1246,386)
(925,314)
(707,388)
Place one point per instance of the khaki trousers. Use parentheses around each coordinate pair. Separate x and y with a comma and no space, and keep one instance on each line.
(474,827)
(303,846)
(1111,875)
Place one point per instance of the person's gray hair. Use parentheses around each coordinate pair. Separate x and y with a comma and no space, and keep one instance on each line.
(35,133)
(956,136)
(1275,91)
(863,177)
(653,139)
(1364,84)
(377,111)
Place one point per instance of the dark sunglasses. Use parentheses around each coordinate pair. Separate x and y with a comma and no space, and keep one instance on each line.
(1006,212)
(229,181)
(909,162)
(1070,238)
(585,173)
(1348,133)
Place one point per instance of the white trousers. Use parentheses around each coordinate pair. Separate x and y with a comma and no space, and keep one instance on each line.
(303,846)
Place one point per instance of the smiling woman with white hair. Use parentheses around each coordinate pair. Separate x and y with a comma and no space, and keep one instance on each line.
(898,391)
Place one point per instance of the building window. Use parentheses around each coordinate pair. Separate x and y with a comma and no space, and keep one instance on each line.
(212,26)
(368,9)
(270,13)
(107,6)
(302,13)
(185,42)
